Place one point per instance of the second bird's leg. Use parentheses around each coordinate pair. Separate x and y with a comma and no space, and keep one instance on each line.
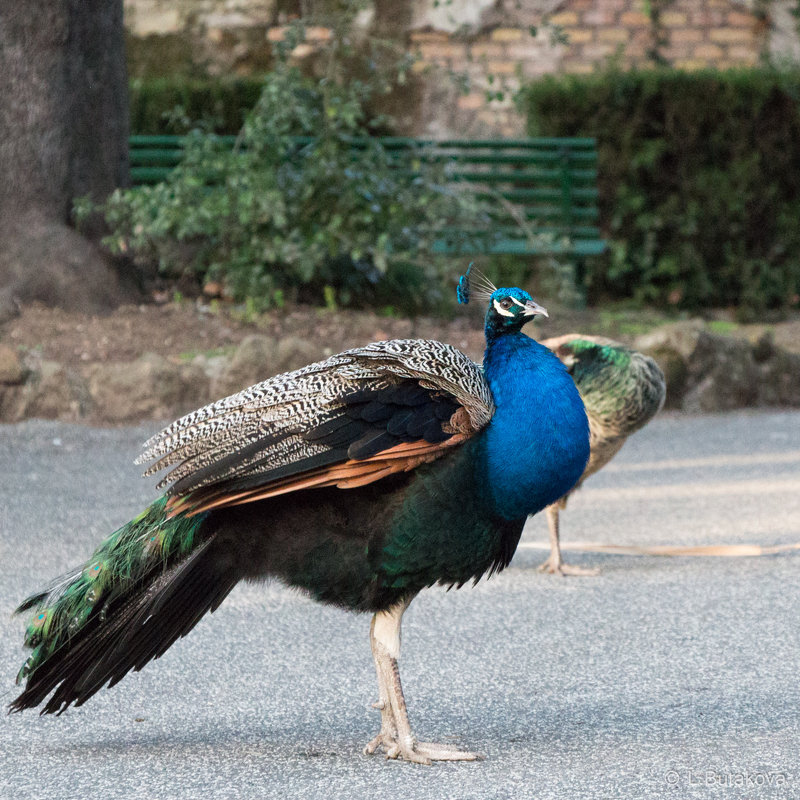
(396,736)
(554,564)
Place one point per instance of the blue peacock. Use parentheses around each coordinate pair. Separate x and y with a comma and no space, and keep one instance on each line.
(361,479)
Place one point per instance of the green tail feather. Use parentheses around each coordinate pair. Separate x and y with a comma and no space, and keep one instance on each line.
(126,556)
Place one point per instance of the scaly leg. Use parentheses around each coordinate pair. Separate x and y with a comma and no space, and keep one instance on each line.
(554,565)
(395,735)
(388,733)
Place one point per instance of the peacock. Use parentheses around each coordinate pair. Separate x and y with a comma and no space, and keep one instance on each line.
(361,479)
(622,390)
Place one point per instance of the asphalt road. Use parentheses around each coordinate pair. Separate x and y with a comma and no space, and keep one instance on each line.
(662,677)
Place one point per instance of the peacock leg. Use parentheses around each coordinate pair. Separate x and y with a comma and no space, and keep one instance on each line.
(554,565)
(388,732)
(395,735)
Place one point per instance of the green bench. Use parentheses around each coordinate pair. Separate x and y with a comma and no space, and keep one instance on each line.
(547,185)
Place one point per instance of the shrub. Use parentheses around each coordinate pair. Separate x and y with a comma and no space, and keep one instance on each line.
(273,219)
(699,177)
(176,104)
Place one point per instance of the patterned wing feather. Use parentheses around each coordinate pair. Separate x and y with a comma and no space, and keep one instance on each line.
(351,419)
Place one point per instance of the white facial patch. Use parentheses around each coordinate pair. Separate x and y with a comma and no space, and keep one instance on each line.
(500,310)
(518,302)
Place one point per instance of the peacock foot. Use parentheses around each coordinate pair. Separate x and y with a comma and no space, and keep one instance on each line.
(557,567)
(395,736)
(409,749)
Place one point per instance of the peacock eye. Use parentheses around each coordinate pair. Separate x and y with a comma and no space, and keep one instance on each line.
(506,303)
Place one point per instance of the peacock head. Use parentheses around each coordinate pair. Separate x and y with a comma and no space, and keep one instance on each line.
(508,309)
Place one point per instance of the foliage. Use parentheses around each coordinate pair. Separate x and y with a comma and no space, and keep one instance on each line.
(308,205)
(176,104)
(699,177)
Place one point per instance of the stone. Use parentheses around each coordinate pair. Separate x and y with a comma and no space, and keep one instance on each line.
(447,16)
(252,362)
(728,35)
(212,365)
(779,379)
(149,22)
(579,35)
(739,19)
(686,35)
(471,102)
(52,391)
(708,372)
(513,34)
(635,19)
(316,33)
(691,64)
(259,357)
(11,369)
(149,388)
(617,35)
(672,347)
(224,20)
(672,19)
(722,375)
(763,347)
(9,402)
(293,352)
(563,18)
(710,51)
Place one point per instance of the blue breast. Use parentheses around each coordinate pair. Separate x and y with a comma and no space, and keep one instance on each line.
(537,444)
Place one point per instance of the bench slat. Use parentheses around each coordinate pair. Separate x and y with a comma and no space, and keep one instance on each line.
(523,247)
(551,181)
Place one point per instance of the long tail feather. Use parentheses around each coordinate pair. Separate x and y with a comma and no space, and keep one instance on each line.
(147,585)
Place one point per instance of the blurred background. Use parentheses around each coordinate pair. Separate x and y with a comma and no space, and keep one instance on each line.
(187,184)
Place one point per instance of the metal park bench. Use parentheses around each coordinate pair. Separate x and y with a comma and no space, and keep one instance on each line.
(544,189)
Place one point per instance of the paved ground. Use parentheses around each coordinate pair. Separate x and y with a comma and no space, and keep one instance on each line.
(663,677)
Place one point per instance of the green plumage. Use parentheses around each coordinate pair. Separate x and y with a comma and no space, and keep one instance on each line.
(621,389)
(148,543)
(442,531)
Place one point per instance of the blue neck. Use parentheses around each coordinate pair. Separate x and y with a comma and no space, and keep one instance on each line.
(537,444)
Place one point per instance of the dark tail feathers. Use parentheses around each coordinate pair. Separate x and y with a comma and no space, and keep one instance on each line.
(138,620)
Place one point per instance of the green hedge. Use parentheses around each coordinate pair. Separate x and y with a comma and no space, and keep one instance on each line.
(171,105)
(699,177)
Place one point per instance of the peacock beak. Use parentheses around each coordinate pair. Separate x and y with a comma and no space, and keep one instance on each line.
(532,308)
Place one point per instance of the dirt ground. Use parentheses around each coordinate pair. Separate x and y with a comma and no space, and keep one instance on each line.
(182,330)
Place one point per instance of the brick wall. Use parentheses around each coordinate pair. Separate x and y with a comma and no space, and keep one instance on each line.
(495,64)
(503,45)
(688,34)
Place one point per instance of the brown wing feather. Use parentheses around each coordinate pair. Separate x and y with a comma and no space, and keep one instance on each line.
(347,421)
(344,475)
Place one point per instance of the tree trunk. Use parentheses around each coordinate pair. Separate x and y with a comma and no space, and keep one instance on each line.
(63,134)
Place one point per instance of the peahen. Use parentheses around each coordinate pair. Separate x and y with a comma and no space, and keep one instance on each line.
(361,479)
(622,391)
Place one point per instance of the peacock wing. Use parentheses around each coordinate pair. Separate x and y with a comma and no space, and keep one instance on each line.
(349,420)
